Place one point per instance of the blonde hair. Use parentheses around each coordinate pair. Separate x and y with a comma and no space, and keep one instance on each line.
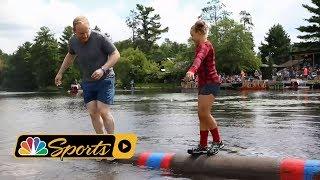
(201,27)
(80,20)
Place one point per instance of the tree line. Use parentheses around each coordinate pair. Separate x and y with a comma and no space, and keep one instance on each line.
(34,64)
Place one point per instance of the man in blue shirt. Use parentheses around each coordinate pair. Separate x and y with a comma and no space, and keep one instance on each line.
(96,56)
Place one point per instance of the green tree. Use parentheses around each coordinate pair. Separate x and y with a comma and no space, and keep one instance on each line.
(246,19)
(179,59)
(277,43)
(214,12)
(19,74)
(234,47)
(311,37)
(148,27)
(3,55)
(175,69)
(2,64)
(124,44)
(168,49)
(133,23)
(45,57)
(133,65)
(1,71)
(171,49)
(64,41)
(73,72)
(97,28)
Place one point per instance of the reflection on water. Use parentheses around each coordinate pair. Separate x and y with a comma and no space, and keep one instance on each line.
(276,124)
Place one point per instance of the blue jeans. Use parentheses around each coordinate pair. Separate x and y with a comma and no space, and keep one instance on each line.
(101,90)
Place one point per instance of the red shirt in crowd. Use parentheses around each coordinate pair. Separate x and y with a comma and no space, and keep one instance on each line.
(305,71)
(204,65)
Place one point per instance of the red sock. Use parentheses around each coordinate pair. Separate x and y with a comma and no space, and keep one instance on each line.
(215,135)
(204,138)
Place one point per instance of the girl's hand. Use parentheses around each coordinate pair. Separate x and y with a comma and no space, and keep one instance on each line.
(189,76)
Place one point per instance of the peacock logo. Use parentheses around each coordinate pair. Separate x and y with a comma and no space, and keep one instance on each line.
(33,147)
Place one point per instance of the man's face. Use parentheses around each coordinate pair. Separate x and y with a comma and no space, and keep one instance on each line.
(82,32)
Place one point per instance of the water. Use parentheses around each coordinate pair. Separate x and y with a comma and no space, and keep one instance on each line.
(273,124)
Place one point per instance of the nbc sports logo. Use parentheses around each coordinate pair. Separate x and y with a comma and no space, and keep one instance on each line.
(121,146)
(33,147)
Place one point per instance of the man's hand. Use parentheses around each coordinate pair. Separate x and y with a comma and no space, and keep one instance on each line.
(189,76)
(58,79)
(97,74)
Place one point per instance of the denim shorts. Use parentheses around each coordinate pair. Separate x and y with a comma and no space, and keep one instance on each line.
(101,90)
(209,89)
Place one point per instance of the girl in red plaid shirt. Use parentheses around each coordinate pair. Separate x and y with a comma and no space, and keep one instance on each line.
(204,65)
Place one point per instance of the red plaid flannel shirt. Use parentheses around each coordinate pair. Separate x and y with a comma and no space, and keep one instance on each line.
(204,65)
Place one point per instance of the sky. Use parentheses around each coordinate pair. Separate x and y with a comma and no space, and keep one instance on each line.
(20,19)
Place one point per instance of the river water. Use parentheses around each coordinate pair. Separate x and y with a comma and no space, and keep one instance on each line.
(265,123)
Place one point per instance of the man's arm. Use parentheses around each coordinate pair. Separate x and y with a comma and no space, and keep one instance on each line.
(113,59)
(68,60)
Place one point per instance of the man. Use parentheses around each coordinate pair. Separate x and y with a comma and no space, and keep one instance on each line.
(96,56)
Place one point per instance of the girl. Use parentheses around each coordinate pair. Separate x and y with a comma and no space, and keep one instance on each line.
(208,88)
